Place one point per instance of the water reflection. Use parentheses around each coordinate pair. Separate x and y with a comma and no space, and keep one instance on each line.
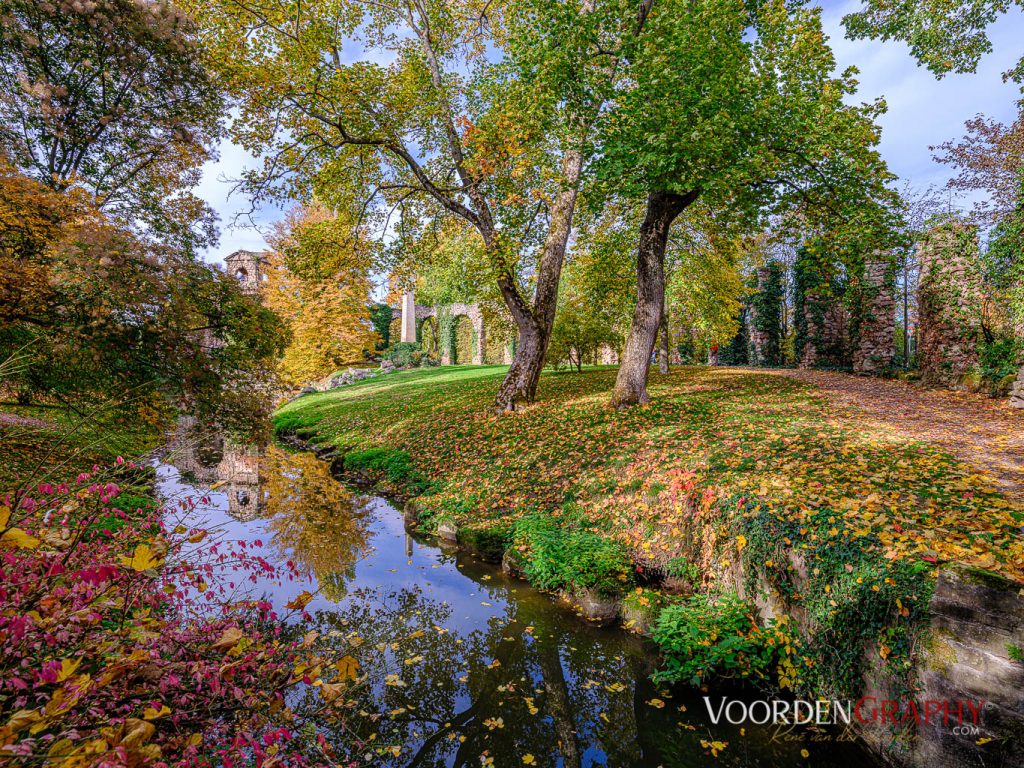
(460,665)
(313,519)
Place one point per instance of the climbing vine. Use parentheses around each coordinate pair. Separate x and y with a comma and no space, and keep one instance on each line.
(766,306)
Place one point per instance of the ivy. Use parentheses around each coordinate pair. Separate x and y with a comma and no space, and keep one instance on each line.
(766,316)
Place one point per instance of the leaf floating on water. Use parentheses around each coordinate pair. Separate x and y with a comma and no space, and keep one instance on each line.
(656,703)
(299,602)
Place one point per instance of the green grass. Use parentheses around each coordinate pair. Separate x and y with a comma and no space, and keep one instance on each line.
(67,444)
(716,434)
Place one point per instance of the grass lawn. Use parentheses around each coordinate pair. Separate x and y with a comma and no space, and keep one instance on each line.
(50,444)
(766,442)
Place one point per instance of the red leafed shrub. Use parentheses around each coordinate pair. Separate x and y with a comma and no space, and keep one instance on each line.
(114,650)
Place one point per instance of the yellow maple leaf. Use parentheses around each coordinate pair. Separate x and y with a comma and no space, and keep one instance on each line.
(67,669)
(16,537)
(151,713)
(142,559)
(741,542)
(348,668)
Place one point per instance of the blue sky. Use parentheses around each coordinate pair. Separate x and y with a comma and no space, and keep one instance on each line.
(922,112)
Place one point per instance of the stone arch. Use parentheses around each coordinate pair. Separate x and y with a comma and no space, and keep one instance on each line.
(429,336)
(445,316)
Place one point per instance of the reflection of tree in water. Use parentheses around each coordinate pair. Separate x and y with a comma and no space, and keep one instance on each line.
(315,520)
(439,694)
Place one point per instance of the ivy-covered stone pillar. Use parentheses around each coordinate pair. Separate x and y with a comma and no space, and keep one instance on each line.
(876,347)
(765,317)
(949,303)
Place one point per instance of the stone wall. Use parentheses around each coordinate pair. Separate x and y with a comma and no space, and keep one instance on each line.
(1017,392)
(825,345)
(975,618)
(949,304)
(876,347)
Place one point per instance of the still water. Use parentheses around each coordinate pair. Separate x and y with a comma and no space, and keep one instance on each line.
(464,666)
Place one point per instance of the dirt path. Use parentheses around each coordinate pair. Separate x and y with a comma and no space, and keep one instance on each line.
(978,430)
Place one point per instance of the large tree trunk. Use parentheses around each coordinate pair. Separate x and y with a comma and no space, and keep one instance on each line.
(663,346)
(662,210)
(534,323)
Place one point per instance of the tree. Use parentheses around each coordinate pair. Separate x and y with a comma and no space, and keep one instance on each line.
(111,96)
(468,118)
(733,104)
(318,282)
(107,317)
(944,36)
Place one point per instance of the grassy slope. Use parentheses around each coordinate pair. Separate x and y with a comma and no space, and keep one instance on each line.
(64,443)
(764,443)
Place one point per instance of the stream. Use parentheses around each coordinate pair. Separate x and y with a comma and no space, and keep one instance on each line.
(465,666)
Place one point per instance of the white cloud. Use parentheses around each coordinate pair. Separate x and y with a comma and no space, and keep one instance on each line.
(924,111)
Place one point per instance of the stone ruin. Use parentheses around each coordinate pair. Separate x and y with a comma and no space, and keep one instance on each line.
(833,340)
(949,304)
(758,340)
(247,268)
(413,316)
(876,345)
(831,346)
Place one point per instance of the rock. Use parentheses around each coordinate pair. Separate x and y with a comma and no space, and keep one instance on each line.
(447,531)
(386,366)
(597,608)
(1005,385)
(510,564)
(972,381)
(308,390)
(347,377)
(1017,391)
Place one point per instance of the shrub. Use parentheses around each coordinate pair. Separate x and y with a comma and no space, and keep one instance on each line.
(998,358)
(395,464)
(704,636)
(405,354)
(557,552)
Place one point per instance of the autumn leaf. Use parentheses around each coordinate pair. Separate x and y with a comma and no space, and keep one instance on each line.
(137,732)
(67,669)
(151,713)
(300,602)
(348,668)
(228,640)
(15,537)
(142,559)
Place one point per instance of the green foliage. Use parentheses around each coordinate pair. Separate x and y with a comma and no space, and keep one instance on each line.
(557,551)
(405,354)
(112,96)
(815,290)
(736,352)
(395,465)
(855,597)
(943,36)
(380,316)
(1000,357)
(1015,653)
(766,306)
(682,568)
(717,635)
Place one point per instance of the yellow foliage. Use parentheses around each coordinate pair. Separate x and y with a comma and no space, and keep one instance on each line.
(318,282)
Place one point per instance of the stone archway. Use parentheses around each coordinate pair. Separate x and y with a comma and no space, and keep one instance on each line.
(445,316)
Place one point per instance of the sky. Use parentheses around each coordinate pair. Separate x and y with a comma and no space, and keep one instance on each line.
(923,112)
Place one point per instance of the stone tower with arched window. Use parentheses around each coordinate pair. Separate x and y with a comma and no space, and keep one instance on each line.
(247,268)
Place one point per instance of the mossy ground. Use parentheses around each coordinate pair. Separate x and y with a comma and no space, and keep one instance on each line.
(53,444)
